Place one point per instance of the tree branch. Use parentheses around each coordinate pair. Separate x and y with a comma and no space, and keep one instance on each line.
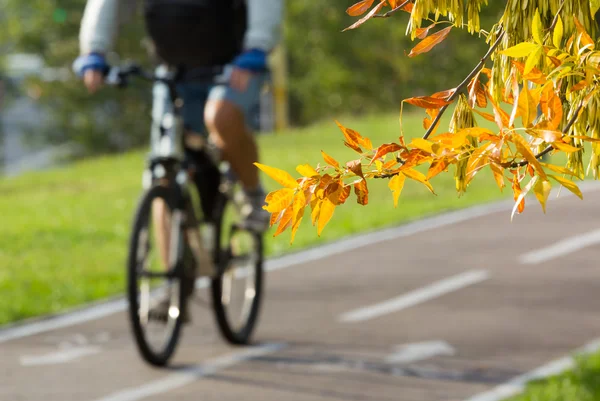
(549,147)
(389,13)
(464,84)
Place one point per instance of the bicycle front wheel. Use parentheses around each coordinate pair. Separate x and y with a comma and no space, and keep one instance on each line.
(237,290)
(155,275)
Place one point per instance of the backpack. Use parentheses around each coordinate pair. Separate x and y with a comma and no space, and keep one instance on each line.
(196,33)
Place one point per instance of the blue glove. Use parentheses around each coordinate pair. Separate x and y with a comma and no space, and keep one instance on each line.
(252,60)
(92,61)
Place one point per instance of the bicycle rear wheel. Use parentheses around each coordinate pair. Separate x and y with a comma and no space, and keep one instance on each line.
(237,290)
(155,275)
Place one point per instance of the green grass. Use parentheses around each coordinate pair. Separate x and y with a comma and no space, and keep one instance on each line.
(579,384)
(64,231)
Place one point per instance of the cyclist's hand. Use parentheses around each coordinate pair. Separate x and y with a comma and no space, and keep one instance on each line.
(92,68)
(93,80)
(246,64)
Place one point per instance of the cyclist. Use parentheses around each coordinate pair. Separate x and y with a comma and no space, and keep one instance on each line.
(236,34)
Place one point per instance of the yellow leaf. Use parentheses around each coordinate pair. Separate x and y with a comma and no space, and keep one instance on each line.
(557,35)
(527,107)
(396,184)
(521,50)
(533,59)
(282,177)
(418,176)
(306,170)
(424,144)
(298,211)
(279,200)
(565,147)
(541,189)
(316,210)
(536,27)
(570,185)
(558,169)
(520,201)
(327,209)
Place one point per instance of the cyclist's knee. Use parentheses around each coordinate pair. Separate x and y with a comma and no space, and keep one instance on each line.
(223,117)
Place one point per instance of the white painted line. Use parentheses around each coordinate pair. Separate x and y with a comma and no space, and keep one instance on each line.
(409,353)
(415,297)
(104,309)
(517,385)
(190,375)
(561,248)
(58,357)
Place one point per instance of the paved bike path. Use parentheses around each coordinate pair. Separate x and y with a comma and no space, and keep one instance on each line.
(443,314)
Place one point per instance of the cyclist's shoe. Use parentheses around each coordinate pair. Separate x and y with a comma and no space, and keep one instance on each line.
(160,311)
(255,217)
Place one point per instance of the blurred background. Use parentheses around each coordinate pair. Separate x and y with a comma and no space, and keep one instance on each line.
(45,112)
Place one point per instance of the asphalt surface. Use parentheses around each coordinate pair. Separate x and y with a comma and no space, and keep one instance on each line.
(466,313)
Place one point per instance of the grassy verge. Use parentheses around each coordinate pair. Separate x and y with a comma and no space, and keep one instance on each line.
(579,384)
(64,231)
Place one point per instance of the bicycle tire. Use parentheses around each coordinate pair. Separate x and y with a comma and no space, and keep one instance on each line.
(141,216)
(241,336)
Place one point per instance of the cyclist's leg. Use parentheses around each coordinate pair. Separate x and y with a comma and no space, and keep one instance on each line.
(208,177)
(227,114)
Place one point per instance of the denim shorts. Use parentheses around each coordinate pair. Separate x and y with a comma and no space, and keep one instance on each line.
(196,94)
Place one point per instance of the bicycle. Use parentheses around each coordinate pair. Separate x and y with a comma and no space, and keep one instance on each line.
(198,239)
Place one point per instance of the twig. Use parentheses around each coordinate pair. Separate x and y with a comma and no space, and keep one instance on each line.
(549,147)
(555,20)
(389,13)
(464,84)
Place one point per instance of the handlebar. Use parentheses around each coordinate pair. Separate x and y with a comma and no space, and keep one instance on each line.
(118,76)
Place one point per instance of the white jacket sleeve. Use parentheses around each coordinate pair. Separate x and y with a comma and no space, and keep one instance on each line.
(100,24)
(264,24)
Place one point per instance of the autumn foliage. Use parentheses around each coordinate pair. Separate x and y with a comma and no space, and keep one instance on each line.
(538,83)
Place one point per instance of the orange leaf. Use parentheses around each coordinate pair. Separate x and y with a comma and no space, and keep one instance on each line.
(352,137)
(367,17)
(437,167)
(498,175)
(362,192)
(430,42)
(487,116)
(344,194)
(282,177)
(330,160)
(423,32)
(359,8)
(523,148)
(355,167)
(444,95)
(285,221)
(427,102)
(586,39)
(551,107)
(384,150)
(325,214)
(279,200)
(527,107)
